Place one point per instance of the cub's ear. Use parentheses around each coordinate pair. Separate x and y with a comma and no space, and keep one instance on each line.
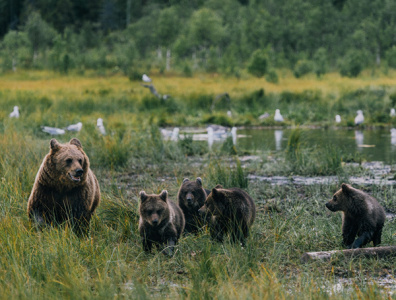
(75,142)
(199,181)
(143,196)
(54,145)
(185,180)
(219,186)
(164,195)
(346,188)
(215,193)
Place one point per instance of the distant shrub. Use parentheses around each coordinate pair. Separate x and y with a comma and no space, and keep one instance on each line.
(218,118)
(302,68)
(390,56)
(258,64)
(353,63)
(320,62)
(272,76)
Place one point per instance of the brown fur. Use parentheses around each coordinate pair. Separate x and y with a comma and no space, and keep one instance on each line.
(191,198)
(161,221)
(232,211)
(65,188)
(362,216)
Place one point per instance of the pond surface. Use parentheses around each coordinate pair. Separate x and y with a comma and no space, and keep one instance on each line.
(372,145)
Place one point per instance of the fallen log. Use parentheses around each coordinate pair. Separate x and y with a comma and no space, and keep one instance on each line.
(365,252)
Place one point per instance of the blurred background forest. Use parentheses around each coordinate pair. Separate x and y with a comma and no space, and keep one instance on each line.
(187,36)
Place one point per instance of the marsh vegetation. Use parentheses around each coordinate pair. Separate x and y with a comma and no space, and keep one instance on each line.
(110,262)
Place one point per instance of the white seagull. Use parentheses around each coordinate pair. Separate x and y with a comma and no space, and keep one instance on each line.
(278,117)
(53,130)
(145,78)
(74,127)
(99,125)
(338,119)
(15,112)
(359,119)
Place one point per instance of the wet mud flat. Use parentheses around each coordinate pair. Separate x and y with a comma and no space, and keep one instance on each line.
(378,174)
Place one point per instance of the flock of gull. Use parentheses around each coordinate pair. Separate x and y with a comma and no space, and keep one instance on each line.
(213,132)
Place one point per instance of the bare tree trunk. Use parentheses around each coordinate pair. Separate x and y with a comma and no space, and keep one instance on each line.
(378,56)
(159,53)
(348,253)
(128,12)
(168,58)
(14,64)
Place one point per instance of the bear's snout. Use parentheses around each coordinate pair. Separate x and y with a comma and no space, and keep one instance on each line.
(79,172)
(189,199)
(330,206)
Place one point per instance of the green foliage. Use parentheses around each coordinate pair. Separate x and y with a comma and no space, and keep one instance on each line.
(272,76)
(258,64)
(228,176)
(320,60)
(353,63)
(302,68)
(390,56)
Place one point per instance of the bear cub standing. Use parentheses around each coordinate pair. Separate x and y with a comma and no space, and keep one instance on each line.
(65,188)
(191,198)
(232,211)
(362,216)
(161,221)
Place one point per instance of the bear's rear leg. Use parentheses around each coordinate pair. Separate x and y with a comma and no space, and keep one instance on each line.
(377,237)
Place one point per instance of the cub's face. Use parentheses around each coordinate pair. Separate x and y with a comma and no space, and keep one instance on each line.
(214,204)
(154,208)
(340,198)
(191,194)
(70,161)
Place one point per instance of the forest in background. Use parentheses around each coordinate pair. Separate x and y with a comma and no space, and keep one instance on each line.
(182,36)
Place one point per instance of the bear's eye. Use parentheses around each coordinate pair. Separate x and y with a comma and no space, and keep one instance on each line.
(149,212)
(80,161)
(69,161)
(335,198)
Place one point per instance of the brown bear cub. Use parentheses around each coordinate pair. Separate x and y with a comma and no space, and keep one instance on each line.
(191,198)
(362,216)
(232,211)
(65,188)
(161,221)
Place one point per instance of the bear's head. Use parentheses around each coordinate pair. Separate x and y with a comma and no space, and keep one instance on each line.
(153,208)
(191,194)
(69,163)
(341,199)
(216,203)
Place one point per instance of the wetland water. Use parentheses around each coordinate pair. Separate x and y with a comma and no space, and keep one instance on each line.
(370,144)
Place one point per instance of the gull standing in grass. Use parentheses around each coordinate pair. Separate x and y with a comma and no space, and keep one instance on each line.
(278,117)
(359,119)
(234,135)
(145,78)
(53,130)
(338,119)
(100,126)
(210,137)
(393,136)
(15,112)
(74,127)
(175,134)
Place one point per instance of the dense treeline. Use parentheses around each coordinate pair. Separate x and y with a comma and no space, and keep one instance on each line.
(208,35)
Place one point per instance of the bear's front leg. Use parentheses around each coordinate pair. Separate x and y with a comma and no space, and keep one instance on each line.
(147,245)
(363,239)
(170,245)
(349,231)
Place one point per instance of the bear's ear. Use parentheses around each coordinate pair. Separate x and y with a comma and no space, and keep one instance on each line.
(199,181)
(164,195)
(75,142)
(215,193)
(346,188)
(219,186)
(185,180)
(54,145)
(143,196)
